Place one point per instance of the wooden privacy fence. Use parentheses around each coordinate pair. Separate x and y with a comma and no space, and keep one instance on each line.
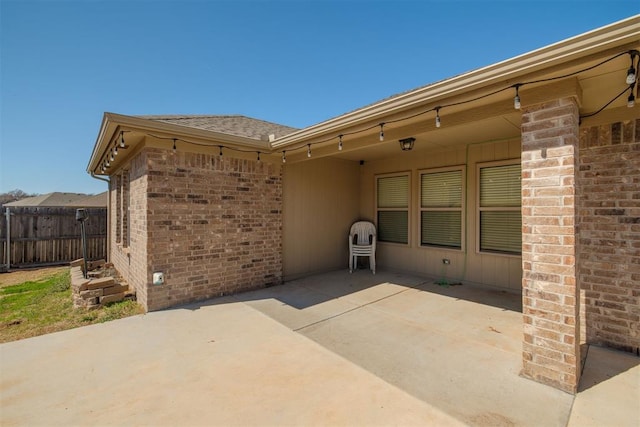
(50,235)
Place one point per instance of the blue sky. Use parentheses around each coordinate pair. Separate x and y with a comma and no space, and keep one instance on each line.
(64,63)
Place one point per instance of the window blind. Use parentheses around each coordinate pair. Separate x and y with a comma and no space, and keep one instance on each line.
(500,200)
(393,208)
(501,231)
(393,192)
(393,226)
(441,208)
(441,228)
(441,189)
(500,186)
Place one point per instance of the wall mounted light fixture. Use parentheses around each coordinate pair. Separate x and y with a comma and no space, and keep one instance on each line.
(406,144)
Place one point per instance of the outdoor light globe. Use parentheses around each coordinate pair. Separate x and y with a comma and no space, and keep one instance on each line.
(631,76)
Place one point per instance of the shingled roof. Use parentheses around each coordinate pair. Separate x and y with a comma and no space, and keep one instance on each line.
(236,125)
(56,199)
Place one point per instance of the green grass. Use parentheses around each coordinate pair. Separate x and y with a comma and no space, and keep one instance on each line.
(35,308)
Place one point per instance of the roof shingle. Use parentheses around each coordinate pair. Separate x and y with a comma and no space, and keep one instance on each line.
(236,125)
(58,199)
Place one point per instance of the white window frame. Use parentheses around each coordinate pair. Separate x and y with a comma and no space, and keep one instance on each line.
(480,209)
(394,209)
(461,209)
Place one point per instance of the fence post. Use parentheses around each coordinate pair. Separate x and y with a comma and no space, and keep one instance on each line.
(82,216)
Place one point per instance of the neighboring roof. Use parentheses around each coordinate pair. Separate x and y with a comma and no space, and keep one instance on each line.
(237,125)
(95,201)
(58,199)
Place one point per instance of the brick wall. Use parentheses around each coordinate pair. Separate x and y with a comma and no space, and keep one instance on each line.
(128,221)
(551,352)
(609,215)
(214,225)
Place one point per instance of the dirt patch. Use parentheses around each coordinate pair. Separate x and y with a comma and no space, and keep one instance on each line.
(15,277)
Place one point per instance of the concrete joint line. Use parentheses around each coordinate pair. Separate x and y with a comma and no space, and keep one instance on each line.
(352,309)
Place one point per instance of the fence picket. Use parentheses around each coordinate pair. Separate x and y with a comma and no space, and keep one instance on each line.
(51,235)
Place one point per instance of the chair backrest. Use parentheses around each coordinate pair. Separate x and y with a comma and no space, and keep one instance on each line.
(365,231)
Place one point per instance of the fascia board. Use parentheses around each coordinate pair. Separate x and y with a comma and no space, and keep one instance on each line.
(617,34)
(99,144)
(113,123)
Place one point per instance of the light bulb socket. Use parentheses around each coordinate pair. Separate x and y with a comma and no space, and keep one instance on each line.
(516,99)
(284,157)
(631,100)
(631,72)
(308,150)
(122,140)
(340,143)
(438,117)
(631,76)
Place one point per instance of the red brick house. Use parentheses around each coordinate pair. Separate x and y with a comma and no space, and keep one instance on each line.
(525,174)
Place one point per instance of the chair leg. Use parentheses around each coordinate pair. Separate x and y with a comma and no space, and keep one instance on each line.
(372,261)
(350,263)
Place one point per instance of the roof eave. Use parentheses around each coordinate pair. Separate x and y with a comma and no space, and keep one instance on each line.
(113,123)
(617,34)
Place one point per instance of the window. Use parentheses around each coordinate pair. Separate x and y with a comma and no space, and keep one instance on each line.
(116,183)
(393,208)
(126,226)
(441,207)
(120,183)
(500,217)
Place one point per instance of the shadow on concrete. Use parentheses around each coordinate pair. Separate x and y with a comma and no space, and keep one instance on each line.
(442,344)
(603,364)
(339,284)
(504,299)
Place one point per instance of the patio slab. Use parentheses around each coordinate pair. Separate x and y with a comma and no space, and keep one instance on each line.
(218,364)
(333,349)
(612,374)
(302,303)
(446,346)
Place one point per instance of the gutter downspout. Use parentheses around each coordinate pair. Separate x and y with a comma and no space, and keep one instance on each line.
(8,254)
(108,181)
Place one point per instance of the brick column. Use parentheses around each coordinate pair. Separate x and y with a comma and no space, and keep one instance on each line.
(551,347)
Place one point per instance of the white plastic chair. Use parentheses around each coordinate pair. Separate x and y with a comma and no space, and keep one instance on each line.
(362,242)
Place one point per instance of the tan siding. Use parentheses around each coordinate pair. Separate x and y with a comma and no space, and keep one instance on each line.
(320,204)
(466,265)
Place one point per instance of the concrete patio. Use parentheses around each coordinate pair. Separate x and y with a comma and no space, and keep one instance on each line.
(332,349)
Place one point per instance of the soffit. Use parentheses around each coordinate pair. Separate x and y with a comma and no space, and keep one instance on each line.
(490,118)
(595,87)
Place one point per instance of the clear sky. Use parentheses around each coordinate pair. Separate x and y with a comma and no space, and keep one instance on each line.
(64,63)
